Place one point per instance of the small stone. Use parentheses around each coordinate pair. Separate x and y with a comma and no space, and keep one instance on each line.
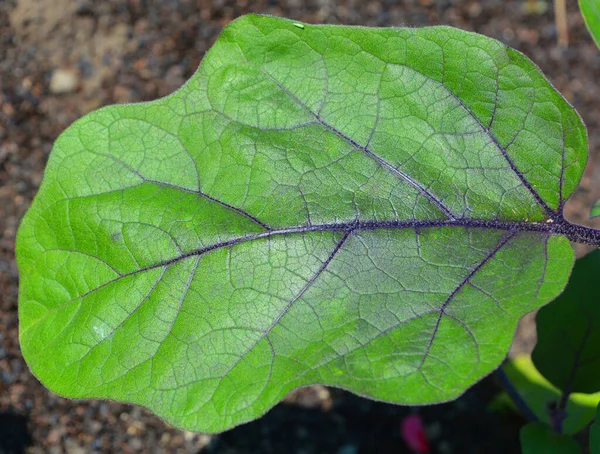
(72,447)
(348,449)
(136,444)
(54,437)
(63,81)
(535,7)
(85,8)
(433,431)
(95,427)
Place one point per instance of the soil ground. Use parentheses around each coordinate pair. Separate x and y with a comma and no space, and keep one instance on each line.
(60,59)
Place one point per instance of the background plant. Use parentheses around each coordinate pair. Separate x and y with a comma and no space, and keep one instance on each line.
(561,386)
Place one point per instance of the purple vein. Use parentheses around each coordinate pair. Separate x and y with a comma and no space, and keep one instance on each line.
(299,295)
(576,364)
(184,189)
(573,232)
(552,213)
(505,239)
(382,162)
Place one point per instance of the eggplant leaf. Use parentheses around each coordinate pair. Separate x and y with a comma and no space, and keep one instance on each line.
(372,209)
(540,395)
(595,434)
(590,10)
(538,438)
(595,211)
(568,331)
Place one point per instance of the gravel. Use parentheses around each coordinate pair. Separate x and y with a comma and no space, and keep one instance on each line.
(62,58)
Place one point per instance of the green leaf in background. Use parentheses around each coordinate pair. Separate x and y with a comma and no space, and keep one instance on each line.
(538,393)
(595,434)
(568,332)
(590,10)
(595,212)
(372,209)
(538,438)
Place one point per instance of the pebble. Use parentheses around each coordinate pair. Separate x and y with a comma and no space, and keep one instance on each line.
(72,447)
(348,449)
(63,81)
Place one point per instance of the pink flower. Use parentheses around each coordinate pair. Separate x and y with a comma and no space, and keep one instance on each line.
(414,435)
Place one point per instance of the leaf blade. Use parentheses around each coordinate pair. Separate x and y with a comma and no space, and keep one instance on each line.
(567,340)
(538,438)
(591,14)
(539,394)
(319,230)
(595,435)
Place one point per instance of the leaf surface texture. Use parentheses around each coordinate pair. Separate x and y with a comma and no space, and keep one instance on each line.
(363,208)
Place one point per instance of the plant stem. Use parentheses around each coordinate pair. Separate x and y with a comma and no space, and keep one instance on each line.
(577,233)
(510,389)
(562,27)
(558,414)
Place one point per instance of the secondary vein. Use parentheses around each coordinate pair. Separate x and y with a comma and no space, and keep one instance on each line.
(505,239)
(382,162)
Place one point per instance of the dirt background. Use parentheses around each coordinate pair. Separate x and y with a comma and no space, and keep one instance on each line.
(59,59)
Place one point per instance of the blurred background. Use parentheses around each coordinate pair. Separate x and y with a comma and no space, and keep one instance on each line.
(59,59)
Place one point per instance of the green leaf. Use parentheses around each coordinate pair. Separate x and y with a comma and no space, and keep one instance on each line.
(539,395)
(595,212)
(538,438)
(372,209)
(595,434)
(569,332)
(590,10)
